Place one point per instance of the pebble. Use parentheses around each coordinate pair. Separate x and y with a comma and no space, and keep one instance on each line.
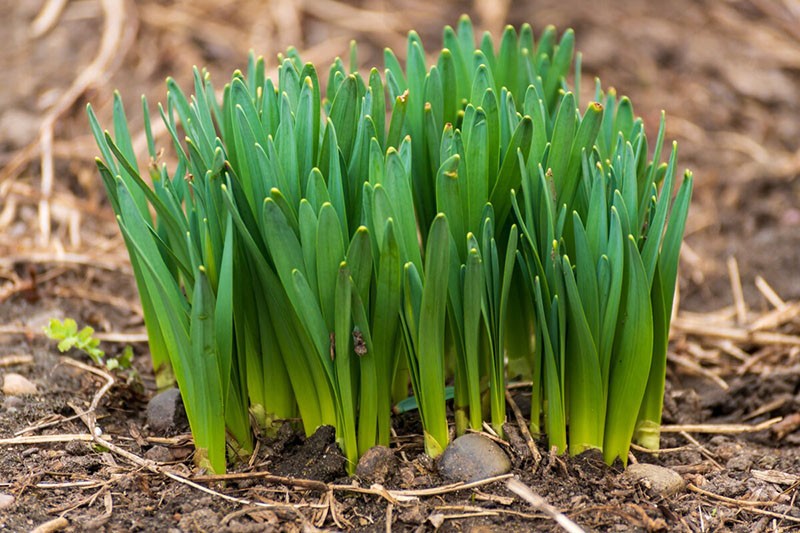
(6,501)
(16,385)
(659,479)
(473,457)
(166,415)
(376,465)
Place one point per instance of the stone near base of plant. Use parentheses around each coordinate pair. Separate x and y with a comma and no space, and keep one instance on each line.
(473,457)
(6,501)
(658,479)
(376,465)
(16,385)
(166,415)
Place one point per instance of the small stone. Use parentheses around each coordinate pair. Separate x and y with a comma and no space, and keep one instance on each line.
(376,465)
(6,501)
(473,457)
(159,454)
(166,415)
(659,479)
(16,385)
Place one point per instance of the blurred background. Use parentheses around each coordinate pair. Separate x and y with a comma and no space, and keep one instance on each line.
(727,73)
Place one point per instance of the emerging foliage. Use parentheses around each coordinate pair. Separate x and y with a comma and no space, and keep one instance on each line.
(315,250)
(68,337)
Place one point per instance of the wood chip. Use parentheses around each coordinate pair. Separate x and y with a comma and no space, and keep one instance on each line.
(776,476)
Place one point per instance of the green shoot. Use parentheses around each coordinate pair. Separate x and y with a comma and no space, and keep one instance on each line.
(68,337)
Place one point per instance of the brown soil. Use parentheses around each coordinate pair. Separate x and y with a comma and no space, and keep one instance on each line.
(728,76)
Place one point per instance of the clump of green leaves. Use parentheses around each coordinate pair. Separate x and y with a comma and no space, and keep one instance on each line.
(313,253)
(68,337)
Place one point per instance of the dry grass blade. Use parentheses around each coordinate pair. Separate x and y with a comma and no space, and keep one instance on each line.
(523,427)
(435,491)
(56,524)
(541,505)
(769,293)
(718,497)
(697,369)
(265,477)
(776,318)
(13,360)
(43,439)
(775,476)
(703,450)
(48,17)
(737,291)
(767,408)
(721,429)
(740,335)
(113,30)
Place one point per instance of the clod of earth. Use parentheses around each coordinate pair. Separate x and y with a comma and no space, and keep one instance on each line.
(159,454)
(658,479)
(376,465)
(166,415)
(16,385)
(318,457)
(77,448)
(741,462)
(473,457)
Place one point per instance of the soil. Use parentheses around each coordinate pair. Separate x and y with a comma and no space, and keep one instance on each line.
(726,73)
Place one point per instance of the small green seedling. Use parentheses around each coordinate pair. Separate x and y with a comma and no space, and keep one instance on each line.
(68,337)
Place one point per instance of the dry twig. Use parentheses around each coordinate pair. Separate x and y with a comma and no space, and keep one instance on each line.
(541,505)
(721,429)
(523,428)
(113,30)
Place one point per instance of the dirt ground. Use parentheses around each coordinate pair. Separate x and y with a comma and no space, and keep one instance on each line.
(726,72)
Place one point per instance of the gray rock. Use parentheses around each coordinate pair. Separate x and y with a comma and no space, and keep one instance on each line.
(376,465)
(166,415)
(473,457)
(659,479)
(16,385)
(6,501)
